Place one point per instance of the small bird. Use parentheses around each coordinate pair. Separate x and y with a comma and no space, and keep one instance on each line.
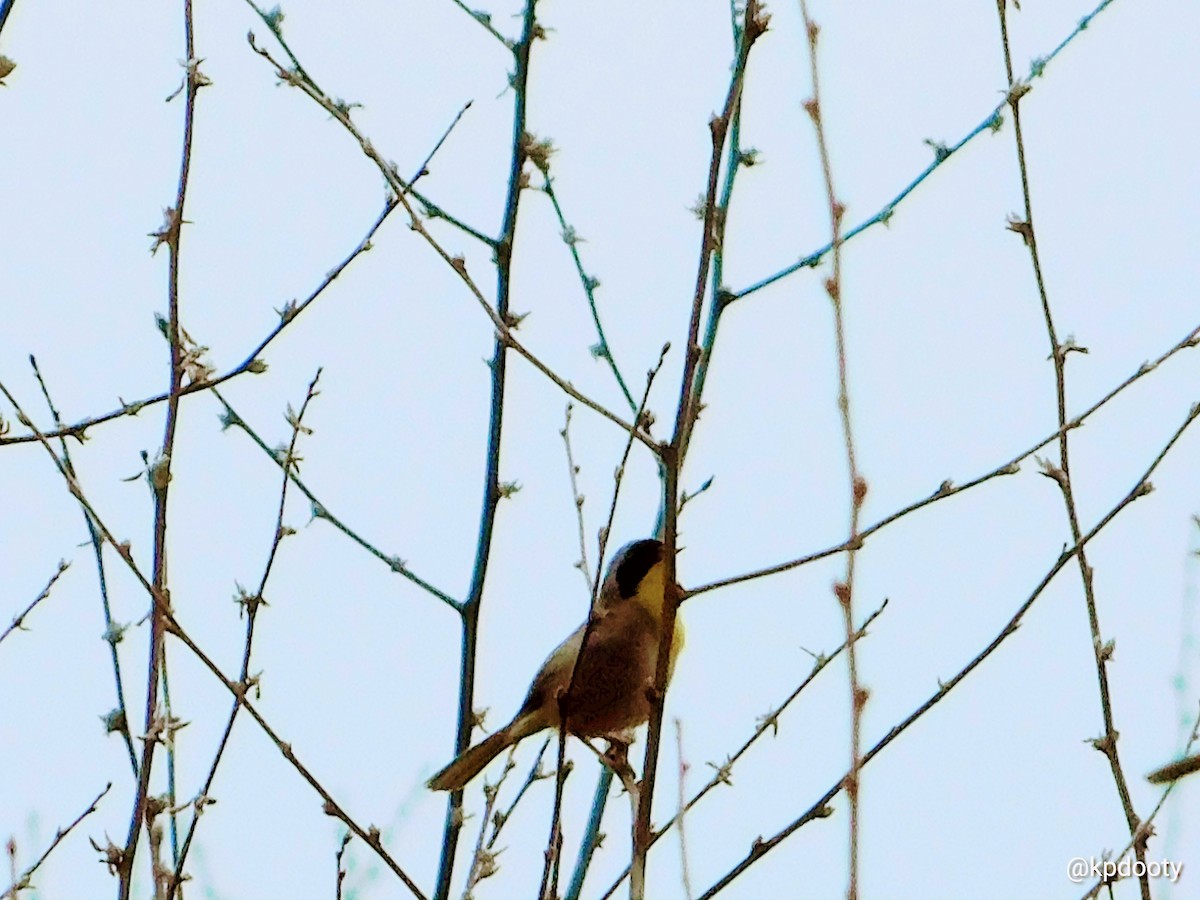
(615,673)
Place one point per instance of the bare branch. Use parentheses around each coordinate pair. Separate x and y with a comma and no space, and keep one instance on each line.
(820,808)
(1058,353)
(24,881)
(19,618)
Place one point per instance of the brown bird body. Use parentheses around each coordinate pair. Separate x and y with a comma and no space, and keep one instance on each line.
(609,688)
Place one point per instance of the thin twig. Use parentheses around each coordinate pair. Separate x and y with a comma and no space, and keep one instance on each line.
(948,488)
(548,890)
(250,605)
(844,590)
(1061,474)
(341,873)
(19,618)
(290,312)
(770,721)
(503,247)
(820,808)
(754,25)
(397,564)
(1173,771)
(483,861)
(942,152)
(236,688)
(273,19)
(577,500)
(172,725)
(602,348)
(252,363)
(500,818)
(685,874)
(118,718)
(424,169)
(553,850)
(485,20)
(619,476)
(159,472)
(883,216)
(24,882)
(735,160)
(723,773)
(492,494)
(1146,830)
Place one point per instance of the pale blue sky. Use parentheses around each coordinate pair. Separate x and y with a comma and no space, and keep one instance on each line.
(988,796)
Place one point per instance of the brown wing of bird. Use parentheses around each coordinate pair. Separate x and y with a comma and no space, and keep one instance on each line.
(615,671)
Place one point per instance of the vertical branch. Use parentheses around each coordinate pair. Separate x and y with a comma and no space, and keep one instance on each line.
(1142,487)
(483,862)
(162,874)
(591,834)
(491,490)
(1061,473)
(553,850)
(553,853)
(844,590)
(683,852)
(576,498)
(250,605)
(672,454)
(500,817)
(114,856)
(734,160)
(341,873)
(159,471)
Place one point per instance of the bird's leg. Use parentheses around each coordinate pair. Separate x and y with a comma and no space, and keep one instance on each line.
(616,757)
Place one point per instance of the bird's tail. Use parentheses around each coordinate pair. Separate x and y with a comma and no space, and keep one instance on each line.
(473,760)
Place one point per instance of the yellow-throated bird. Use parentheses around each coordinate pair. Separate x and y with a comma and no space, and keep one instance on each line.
(611,691)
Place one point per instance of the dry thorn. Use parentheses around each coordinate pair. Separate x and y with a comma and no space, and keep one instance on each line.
(1022,227)
(1053,472)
